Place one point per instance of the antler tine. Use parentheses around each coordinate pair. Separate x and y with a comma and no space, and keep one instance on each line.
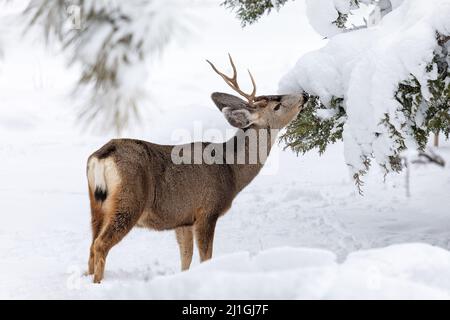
(232,81)
(234,78)
(260,103)
(218,72)
(253,94)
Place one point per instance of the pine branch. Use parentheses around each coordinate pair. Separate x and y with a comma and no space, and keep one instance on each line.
(250,11)
(111,42)
(430,157)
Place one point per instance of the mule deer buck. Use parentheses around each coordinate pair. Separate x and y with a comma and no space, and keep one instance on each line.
(136,183)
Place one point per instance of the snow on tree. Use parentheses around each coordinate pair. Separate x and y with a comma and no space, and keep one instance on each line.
(249,11)
(112,41)
(381,89)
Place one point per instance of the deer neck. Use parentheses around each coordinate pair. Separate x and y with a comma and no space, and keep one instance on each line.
(250,148)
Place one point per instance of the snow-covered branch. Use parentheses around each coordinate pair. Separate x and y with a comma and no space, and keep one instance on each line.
(393,81)
(112,41)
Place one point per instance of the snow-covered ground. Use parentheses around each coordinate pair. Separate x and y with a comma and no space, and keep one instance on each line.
(300,230)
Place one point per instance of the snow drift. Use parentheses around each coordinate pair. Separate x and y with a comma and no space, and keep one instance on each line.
(407,271)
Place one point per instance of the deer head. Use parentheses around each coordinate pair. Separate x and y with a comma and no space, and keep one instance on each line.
(271,111)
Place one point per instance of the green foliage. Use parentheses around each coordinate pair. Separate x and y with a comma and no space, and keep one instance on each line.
(357,177)
(438,113)
(308,131)
(432,115)
(398,146)
(341,20)
(249,11)
(410,98)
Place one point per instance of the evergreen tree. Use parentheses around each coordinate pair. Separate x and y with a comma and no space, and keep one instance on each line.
(423,98)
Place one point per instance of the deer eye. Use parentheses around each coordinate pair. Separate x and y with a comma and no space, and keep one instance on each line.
(277,107)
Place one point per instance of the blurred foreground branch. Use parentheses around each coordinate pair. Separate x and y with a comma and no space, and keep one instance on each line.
(112,41)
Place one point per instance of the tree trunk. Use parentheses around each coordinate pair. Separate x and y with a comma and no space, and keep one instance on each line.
(436,139)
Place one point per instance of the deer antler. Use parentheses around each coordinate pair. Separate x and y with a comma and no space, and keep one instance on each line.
(232,82)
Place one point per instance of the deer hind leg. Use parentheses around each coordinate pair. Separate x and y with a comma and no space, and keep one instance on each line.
(204,234)
(96,226)
(186,244)
(97,223)
(114,230)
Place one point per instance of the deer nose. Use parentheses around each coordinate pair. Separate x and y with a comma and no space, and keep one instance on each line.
(305,97)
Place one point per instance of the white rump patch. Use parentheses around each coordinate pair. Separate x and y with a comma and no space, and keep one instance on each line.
(102,174)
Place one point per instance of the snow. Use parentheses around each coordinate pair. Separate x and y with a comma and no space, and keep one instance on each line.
(399,271)
(300,230)
(365,66)
(288,273)
(321,14)
(325,114)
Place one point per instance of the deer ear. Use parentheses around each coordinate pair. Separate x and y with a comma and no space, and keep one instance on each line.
(239,118)
(224,100)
